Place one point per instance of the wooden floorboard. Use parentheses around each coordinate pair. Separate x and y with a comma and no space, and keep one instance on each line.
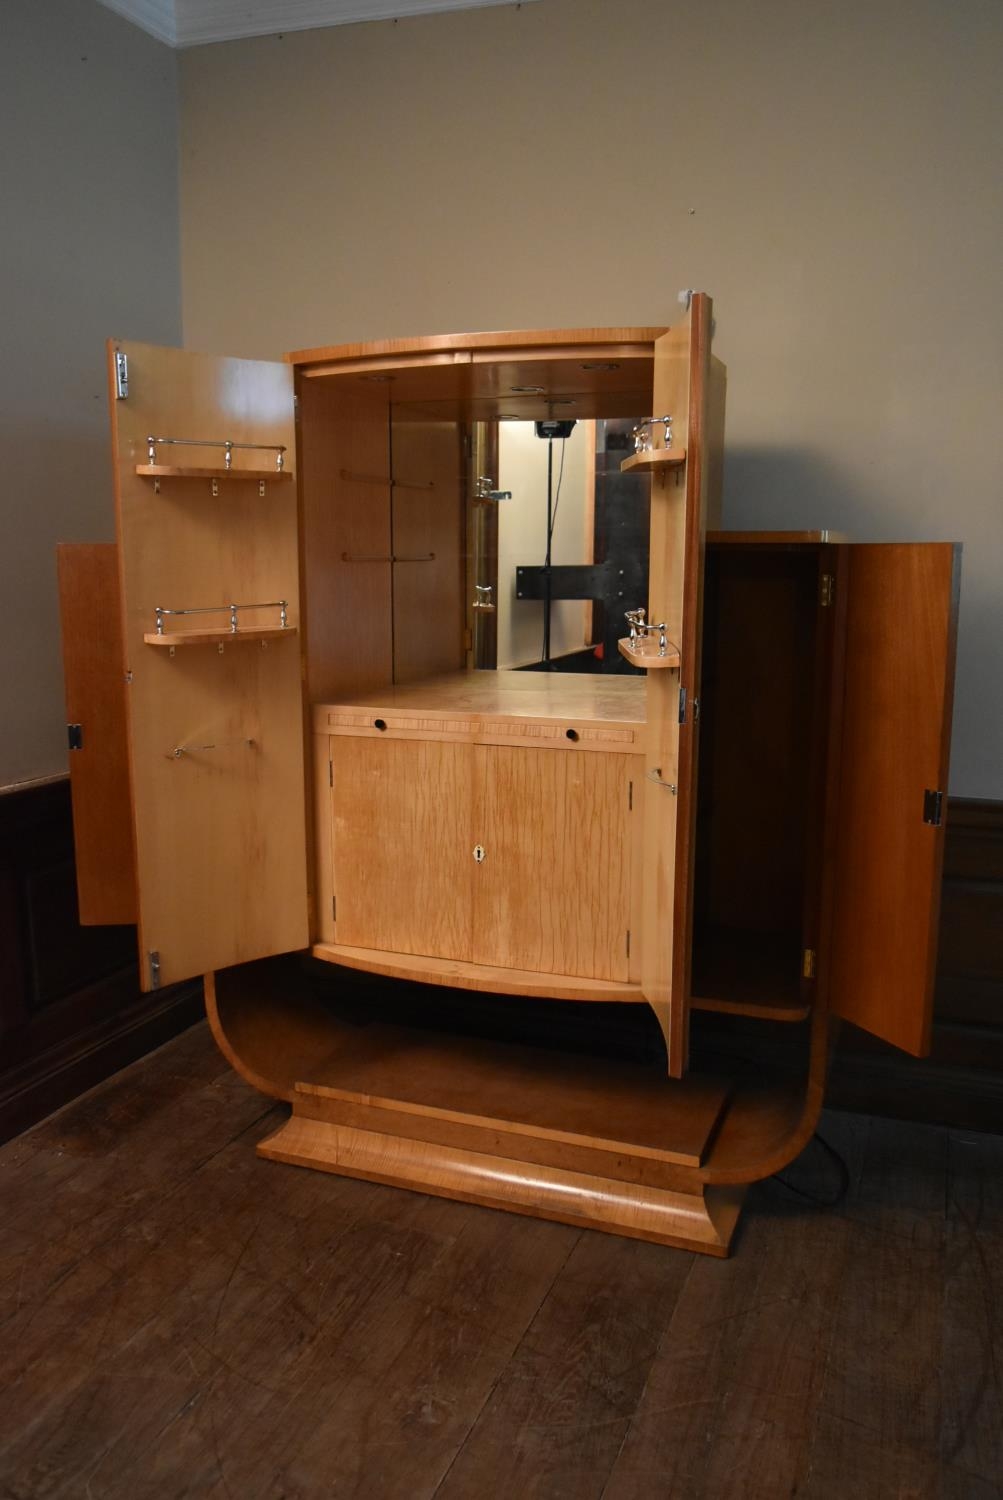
(179,1318)
(730,1406)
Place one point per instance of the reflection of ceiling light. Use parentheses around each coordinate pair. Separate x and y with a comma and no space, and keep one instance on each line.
(380,379)
(563,401)
(508,416)
(596,364)
(528,390)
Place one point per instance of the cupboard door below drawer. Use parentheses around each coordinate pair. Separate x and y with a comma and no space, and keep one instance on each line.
(553,891)
(402,845)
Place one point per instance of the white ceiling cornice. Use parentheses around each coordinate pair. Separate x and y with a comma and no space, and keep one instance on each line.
(155,16)
(191,23)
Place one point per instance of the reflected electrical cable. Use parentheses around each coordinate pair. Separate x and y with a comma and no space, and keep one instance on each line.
(557,497)
(551,522)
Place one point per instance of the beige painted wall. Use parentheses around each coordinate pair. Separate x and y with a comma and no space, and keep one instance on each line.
(828,171)
(88,248)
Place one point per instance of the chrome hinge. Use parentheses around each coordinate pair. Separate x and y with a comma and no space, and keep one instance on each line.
(933,808)
(154,959)
(808,964)
(121,375)
(75,736)
(826,590)
(682,705)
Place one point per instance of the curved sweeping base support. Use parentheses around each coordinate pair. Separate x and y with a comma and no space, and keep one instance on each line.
(599,1142)
(703,1220)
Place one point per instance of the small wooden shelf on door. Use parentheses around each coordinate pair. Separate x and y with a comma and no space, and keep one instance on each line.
(645,654)
(653,460)
(179,471)
(174,638)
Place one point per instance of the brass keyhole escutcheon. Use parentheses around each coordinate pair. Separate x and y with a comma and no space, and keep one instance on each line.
(479,853)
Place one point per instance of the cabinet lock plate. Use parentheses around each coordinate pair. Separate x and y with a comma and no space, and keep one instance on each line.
(479,853)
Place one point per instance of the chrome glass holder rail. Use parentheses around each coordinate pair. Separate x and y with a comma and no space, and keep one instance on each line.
(282,605)
(229,447)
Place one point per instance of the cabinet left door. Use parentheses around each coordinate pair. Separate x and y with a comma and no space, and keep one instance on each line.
(209,571)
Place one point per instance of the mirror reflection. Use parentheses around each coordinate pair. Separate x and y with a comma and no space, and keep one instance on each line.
(558,545)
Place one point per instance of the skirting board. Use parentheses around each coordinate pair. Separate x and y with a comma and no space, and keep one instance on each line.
(702,1221)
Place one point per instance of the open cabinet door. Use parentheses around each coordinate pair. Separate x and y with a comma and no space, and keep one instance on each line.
(689,386)
(94,677)
(901,621)
(208,540)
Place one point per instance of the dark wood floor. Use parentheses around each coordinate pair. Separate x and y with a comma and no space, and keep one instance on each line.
(181,1319)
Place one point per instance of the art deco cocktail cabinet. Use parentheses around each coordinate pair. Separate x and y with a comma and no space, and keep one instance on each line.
(390,862)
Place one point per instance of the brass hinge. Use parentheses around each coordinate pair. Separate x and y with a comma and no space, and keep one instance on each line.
(628,942)
(630,796)
(808,966)
(826,590)
(330,773)
(334,908)
(933,808)
(682,705)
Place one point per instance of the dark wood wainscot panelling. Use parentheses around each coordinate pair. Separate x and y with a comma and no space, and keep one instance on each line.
(70,1008)
(961,1082)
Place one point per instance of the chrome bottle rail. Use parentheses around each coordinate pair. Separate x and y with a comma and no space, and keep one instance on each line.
(219,609)
(642,433)
(228,446)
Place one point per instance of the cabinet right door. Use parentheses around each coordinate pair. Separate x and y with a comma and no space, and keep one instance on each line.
(553,891)
(901,621)
(689,385)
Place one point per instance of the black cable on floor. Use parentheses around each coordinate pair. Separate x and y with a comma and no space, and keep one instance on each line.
(813,1198)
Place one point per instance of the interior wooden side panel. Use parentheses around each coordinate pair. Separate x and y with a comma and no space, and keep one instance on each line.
(901,615)
(344,428)
(428,532)
(403,852)
(216,734)
(553,891)
(94,676)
